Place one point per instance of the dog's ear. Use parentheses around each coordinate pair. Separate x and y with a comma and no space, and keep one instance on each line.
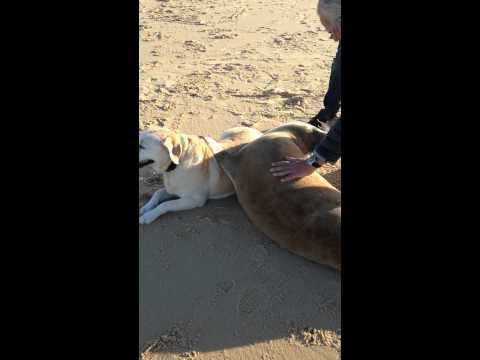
(174,150)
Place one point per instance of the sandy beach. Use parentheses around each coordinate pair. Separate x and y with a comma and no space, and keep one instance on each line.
(211,285)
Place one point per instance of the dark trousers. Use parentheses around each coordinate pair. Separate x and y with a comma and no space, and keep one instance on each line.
(331,145)
(333,96)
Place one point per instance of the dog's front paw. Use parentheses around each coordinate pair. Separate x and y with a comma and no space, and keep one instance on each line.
(147,218)
(144,209)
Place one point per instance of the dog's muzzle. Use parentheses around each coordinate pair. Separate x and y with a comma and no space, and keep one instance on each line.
(145,163)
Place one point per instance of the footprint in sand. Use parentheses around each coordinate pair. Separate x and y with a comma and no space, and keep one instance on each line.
(224,287)
(148,66)
(148,36)
(254,310)
(259,255)
(250,302)
(328,302)
(155,52)
(217,34)
(294,102)
(247,123)
(193,46)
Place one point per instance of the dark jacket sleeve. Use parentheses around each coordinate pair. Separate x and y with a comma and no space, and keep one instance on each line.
(330,147)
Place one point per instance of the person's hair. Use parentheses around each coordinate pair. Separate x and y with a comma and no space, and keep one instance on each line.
(331,9)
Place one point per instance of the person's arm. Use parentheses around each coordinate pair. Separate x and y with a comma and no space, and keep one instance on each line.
(328,150)
(330,147)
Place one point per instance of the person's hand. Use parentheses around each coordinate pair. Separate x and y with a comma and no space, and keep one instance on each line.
(292,168)
(336,32)
(334,29)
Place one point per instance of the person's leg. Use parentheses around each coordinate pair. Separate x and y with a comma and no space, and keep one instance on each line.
(333,96)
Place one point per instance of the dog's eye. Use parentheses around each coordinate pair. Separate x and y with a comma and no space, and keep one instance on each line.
(141,146)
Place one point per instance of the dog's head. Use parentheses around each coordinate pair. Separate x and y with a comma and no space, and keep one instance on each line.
(158,149)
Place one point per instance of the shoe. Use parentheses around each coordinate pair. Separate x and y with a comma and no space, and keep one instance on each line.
(317,123)
(321,119)
(323,116)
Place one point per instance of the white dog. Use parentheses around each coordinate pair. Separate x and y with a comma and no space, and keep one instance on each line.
(191,175)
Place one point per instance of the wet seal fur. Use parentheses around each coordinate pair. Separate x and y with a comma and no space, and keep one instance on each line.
(303,216)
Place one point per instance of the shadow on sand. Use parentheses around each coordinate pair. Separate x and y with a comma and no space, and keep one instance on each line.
(209,280)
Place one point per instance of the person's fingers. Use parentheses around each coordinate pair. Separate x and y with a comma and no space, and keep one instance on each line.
(290,178)
(338,32)
(281,173)
(283,162)
(280,168)
(291,158)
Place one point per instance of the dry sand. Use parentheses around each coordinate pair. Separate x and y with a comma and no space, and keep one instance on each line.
(211,285)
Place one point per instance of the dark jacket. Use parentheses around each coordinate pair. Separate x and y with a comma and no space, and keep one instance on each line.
(330,147)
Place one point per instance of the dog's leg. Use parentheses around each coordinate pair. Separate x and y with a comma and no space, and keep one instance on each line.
(169,206)
(157,198)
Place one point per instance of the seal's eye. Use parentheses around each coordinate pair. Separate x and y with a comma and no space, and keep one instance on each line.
(141,146)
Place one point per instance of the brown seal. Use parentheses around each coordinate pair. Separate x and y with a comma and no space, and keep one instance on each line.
(303,216)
